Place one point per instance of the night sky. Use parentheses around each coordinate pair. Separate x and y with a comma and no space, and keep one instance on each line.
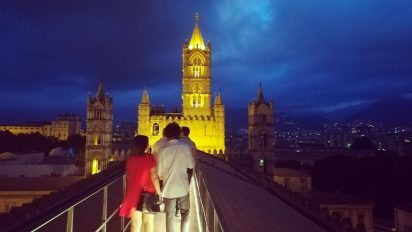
(308,55)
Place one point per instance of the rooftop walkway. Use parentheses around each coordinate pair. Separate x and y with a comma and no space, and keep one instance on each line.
(160,218)
(245,206)
(222,198)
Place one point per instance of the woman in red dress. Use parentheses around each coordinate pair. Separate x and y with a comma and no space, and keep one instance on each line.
(141,178)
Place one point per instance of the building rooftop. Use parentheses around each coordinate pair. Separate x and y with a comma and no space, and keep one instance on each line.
(36,183)
(336,199)
(288,172)
(30,124)
(405,207)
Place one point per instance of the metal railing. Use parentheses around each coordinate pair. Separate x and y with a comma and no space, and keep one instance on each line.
(89,204)
(93,204)
(71,210)
(209,219)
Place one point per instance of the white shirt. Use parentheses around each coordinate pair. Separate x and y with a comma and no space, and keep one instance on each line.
(159,144)
(173,160)
(191,144)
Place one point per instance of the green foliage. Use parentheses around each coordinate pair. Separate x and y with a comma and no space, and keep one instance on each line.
(26,142)
(37,142)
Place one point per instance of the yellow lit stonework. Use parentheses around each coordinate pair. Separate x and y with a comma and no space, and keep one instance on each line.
(61,128)
(95,167)
(196,42)
(206,122)
(98,131)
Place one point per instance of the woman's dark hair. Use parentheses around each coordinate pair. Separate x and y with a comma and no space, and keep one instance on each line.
(140,143)
(172,130)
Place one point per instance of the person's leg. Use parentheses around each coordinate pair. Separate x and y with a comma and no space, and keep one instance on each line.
(184,206)
(136,221)
(148,222)
(177,214)
(170,205)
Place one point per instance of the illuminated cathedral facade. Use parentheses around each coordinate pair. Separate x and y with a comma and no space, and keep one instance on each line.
(99,127)
(206,122)
(260,131)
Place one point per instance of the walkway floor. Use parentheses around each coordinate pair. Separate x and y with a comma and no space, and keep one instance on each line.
(247,207)
(160,219)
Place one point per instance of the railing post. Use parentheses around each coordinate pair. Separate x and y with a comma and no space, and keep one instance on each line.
(69,222)
(104,216)
(215,221)
(124,192)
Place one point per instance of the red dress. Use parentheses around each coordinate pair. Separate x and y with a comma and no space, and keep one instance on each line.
(137,179)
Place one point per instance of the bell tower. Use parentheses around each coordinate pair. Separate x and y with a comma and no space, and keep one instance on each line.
(206,119)
(143,112)
(196,82)
(261,133)
(98,131)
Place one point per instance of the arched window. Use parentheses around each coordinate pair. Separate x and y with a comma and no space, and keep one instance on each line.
(196,71)
(265,140)
(155,129)
(197,61)
(263,118)
(196,68)
(95,166)
(98,114)
(97,139)
(197,101)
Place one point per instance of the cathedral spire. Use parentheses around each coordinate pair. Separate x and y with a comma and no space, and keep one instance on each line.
(145,97)
(197,40)
(260,97)
(218,99)
(100,91)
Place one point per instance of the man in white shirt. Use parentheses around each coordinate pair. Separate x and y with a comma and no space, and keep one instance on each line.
(184,137)
(159,144)
(173,163)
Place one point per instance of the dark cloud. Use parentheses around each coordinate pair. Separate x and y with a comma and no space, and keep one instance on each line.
(307,54)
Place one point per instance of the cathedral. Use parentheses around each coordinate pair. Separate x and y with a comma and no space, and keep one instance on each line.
(260,131)
(99,126)
(206,122)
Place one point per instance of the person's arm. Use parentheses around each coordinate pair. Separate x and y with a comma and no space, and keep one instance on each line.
(190,165)
(190,159)
(159,166)
(189,174)
(194,151)
(155,180)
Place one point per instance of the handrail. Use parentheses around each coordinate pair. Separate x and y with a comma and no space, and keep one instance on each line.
(67,201)
(72,206)
(295,201)
(107,220)
(30,218)
(206,199)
